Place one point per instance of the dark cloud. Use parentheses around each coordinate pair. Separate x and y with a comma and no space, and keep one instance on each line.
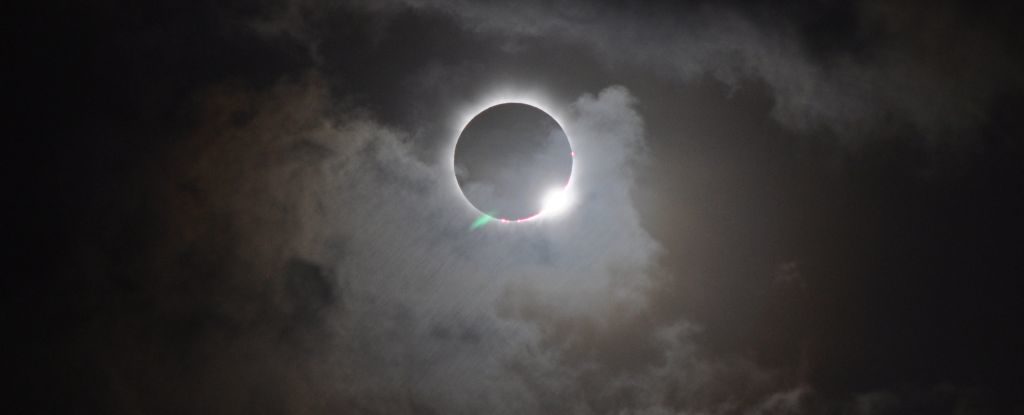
(802,208)
(852,69)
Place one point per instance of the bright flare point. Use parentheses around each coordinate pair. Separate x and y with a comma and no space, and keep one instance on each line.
(555,202)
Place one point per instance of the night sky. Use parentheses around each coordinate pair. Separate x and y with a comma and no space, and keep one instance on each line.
(243,207)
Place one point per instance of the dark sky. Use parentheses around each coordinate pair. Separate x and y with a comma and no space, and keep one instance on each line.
(249,207)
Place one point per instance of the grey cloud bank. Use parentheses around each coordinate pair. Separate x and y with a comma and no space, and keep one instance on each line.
(807,207)
(936,80)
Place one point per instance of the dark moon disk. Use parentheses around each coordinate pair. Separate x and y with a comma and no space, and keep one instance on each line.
(508,157)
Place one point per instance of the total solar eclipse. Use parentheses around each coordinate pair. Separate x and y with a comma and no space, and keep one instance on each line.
(513,162)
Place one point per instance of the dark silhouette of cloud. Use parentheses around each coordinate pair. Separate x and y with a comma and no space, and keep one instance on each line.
(801,208)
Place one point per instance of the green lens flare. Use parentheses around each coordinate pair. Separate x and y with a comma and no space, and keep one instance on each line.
(481,221)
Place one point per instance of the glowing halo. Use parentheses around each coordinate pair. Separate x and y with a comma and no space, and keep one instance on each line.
(555,201)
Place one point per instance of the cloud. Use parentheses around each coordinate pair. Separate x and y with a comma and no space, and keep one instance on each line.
(312,262)
(920,71)
(304,249)
(434,306)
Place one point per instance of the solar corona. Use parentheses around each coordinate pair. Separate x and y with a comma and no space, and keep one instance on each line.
(513,163)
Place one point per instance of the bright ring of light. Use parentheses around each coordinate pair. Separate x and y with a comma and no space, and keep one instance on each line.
(556,201)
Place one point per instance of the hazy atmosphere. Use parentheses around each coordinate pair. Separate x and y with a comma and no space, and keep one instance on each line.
(265,207)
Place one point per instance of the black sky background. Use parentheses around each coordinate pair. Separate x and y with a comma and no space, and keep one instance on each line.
(835,191)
